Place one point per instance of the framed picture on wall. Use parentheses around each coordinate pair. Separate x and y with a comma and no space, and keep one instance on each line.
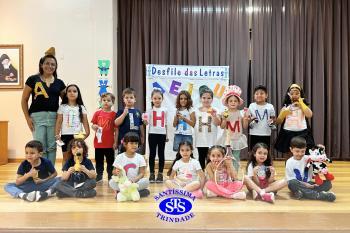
(11,66)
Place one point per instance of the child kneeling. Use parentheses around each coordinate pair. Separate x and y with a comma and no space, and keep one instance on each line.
(78,178)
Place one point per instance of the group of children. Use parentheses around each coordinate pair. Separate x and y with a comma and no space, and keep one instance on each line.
(215,171)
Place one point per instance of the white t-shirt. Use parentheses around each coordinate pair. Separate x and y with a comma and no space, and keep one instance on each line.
(205,129)
(261,172)
(262,113)
(130,165)
(182,127)
(187,171)
(233,133)
(157,120)
(295,121)
(294,165)
(71,123)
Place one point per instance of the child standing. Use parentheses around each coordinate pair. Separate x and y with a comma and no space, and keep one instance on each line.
(78,178)
(293,119)
(104,141)
(70,116)
(233,123)
(262,118)
(221,176)
(36,176)
(157,134)
(299,176)
(184,120)
(133,163)
(206,126)
(261,174)
(129,119)
(188,171)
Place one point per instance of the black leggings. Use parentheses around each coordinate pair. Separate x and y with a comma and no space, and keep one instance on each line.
(100,153)
(155,140)
(202,155)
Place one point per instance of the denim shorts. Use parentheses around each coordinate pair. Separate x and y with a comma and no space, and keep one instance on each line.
(178,138)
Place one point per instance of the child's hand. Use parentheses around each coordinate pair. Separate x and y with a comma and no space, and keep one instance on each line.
(180,116)
(256,169)
(38,181)
(33,172)
(83,169)
(310,186)
(71,170)
(126,110)
(116,171)
(115,146)
(94,127)
(272,170)
(133,180)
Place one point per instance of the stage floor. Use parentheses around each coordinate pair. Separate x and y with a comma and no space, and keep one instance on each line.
(104,214)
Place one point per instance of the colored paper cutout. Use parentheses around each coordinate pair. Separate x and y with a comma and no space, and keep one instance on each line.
(103,66)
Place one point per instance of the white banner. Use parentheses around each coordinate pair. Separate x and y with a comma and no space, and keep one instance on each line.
(172,79)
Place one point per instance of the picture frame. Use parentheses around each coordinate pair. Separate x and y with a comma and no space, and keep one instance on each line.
(11,66)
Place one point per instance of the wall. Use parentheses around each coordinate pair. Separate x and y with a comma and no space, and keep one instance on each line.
(80,30)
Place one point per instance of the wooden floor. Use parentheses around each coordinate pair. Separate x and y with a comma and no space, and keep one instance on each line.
(104,214)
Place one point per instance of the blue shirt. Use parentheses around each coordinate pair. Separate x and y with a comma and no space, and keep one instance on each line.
(132,123)
(45,169)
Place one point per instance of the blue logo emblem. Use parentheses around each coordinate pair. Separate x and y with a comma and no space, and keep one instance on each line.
(175,205)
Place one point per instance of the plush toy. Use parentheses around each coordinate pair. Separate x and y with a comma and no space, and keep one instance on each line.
(317,160)
(80,135)
(128,190)
(78,158)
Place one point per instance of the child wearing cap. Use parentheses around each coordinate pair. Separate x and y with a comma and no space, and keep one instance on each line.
(233,122)
(293,121)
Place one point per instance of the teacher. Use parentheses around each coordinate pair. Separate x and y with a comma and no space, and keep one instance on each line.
(45,89)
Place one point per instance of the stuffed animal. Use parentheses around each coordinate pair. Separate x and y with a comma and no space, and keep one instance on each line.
(128,190)
(317,160)
(80,135)
(78,158)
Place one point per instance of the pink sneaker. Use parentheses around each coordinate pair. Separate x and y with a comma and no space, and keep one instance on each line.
(198,193)
(268,197)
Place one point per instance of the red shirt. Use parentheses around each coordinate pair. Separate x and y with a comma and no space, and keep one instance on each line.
(106,121)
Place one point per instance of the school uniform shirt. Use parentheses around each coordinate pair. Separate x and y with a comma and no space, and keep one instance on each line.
(295,121)
(263,113)
(106,121)
(130,165)
(187,171)
(157,120)
(205,129)
(233,133)
(44,98)
(132,122)
(71,123)
(45,168)
(295,167)
(182,127)
(70,163)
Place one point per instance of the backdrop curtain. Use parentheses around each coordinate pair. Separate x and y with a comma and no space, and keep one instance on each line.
(307,42)
(302,41)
